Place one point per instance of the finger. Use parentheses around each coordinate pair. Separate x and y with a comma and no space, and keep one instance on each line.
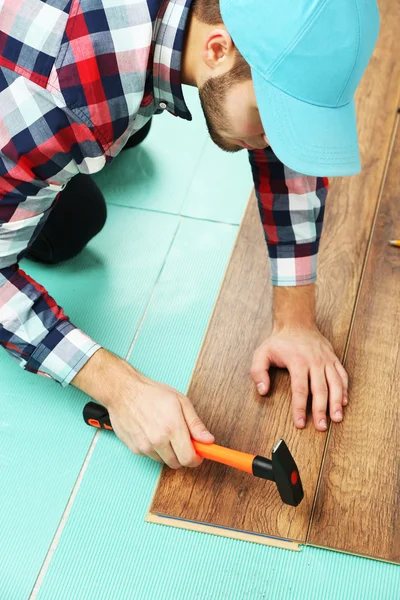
(197,429)
(139,444)
(183,447)
(259,371)
(319,389)
(335,385)
(145,449)
(168,455)
(345,380)
(299,379)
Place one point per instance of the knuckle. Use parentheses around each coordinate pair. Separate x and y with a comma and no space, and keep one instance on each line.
(181,400)
(164,435)
(253,370)
(319,389)
(319,413)
(318,361)
(196,422)
(259,354)
(300,390)
(145,448)
(174,465)
(167,431)
(187,461)
(299,360)
(156,440)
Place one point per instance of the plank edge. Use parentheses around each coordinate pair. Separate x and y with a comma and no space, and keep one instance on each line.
(222,532)
(341,551)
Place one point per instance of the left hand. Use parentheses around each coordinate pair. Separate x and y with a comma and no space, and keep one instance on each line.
(305,352)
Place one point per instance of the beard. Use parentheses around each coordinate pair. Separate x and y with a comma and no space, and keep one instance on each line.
(212,98)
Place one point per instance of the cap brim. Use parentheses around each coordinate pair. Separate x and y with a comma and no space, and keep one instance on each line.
(309,139)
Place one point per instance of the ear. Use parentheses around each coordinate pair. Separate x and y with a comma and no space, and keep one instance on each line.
(219,50)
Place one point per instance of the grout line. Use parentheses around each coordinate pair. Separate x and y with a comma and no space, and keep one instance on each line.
(63,520)
(154,290)
(214,220)
(166,212)
(353,316)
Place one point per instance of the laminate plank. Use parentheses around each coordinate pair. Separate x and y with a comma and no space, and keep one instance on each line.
(221,387)
(358,504)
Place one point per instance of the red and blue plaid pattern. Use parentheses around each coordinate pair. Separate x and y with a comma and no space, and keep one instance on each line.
(292,209)
(77,79)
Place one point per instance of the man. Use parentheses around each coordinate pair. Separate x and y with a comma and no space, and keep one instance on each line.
(81,79)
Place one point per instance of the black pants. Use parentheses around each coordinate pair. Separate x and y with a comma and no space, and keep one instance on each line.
(78,215)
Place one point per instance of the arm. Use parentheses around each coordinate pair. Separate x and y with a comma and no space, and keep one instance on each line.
(294,306)
(150,418)
(291,207)
(40,150)
(34,330)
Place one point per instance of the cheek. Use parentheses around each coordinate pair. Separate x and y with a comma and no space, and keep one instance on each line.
(254,129)
(245,121)
(249,126)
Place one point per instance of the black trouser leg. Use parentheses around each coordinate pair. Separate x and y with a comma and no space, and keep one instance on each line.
(138,137)
(78,215)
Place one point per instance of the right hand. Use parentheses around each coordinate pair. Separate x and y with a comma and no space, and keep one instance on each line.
(150,418)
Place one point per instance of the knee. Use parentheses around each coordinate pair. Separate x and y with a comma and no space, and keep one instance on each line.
(78,215)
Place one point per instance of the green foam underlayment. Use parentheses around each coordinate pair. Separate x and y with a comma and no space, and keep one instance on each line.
(152,277)
(204,182)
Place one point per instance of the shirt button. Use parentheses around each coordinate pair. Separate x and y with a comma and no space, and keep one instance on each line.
(163,105)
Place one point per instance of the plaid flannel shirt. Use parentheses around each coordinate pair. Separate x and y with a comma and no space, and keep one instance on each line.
(77,79)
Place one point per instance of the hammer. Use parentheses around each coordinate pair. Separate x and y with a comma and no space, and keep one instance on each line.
(282,469)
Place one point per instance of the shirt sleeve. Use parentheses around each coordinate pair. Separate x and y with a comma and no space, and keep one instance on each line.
(35,163)
(291,207)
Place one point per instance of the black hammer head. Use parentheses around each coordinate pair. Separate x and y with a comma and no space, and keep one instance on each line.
(283,470)
(286,475)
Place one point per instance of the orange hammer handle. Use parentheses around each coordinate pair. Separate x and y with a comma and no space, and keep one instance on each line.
(226,456)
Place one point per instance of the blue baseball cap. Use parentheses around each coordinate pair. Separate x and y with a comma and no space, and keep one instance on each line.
(307,58)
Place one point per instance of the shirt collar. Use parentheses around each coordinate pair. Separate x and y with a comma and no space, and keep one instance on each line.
(168,38)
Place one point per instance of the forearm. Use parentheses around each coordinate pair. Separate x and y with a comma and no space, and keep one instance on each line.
(294,306)
(106,378)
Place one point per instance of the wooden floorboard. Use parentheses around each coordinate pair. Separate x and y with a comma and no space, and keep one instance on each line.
(358,504)
(221,388)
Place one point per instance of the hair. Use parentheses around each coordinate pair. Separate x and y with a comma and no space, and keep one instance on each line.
(208,12)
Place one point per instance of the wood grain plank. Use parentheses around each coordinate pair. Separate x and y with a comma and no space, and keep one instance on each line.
(221,387)
(358,504)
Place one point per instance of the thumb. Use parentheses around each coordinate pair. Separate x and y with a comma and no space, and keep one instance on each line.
(197,429)
(259,372)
